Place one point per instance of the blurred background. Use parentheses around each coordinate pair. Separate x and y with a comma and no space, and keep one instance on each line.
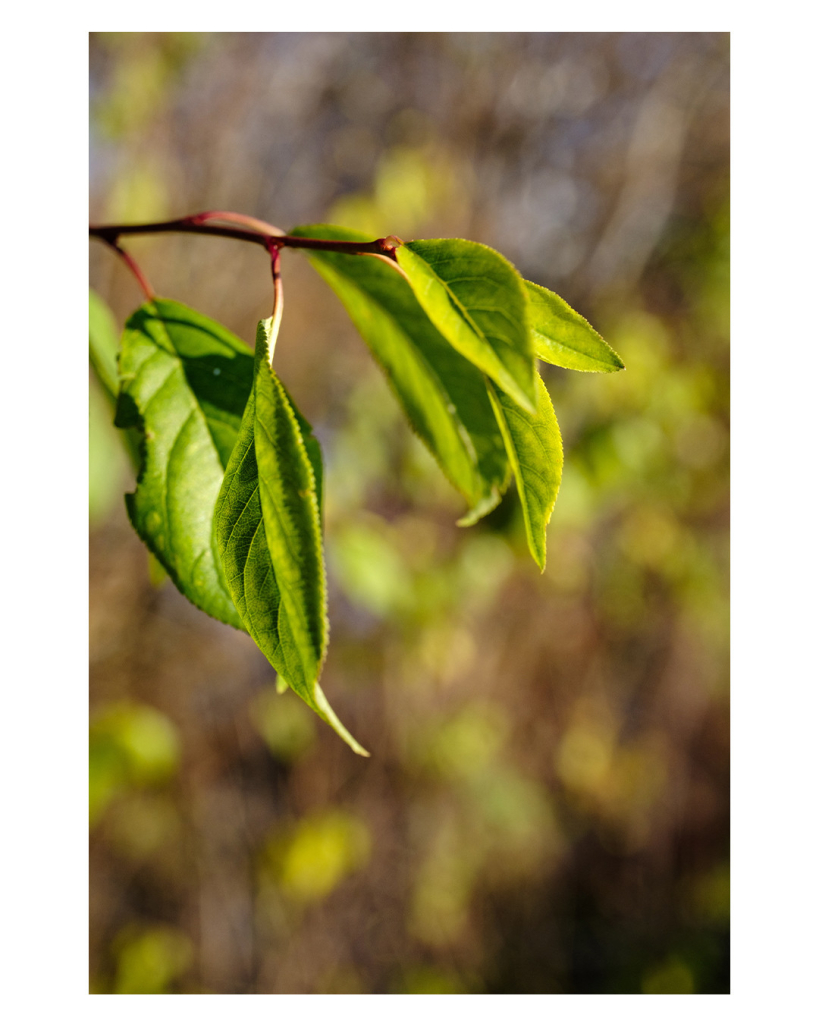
(546,805)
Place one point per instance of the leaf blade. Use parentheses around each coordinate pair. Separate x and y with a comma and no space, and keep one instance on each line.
(476,299)
(268,528)
(184,382)
(564,338)
(290,515)
(440,391)
(535,451)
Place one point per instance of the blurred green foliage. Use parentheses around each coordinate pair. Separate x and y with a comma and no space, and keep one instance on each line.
(149,959)
(409,183)
(131,746)
(107,460)
(308,863)
(284,723)
(546,808)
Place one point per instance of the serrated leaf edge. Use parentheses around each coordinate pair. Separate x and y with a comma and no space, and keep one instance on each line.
(546,357)
(130,497)
(532,538)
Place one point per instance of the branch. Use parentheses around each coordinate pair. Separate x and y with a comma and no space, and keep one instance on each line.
(258,232)
(110,233)
(237,218)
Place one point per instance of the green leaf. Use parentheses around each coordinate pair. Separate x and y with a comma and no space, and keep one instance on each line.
(185,382)
(441,392)
(268,528)
(536,452)
(103,342)
(476,299)
(564,338)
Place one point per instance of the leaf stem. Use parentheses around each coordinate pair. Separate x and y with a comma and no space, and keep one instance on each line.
(278,300)
(135,269)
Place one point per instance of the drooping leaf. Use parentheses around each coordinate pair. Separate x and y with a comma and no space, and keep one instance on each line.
(565,338)
(268,528)
(441,392)
(103,342)
(185,381)
(535,450)
(477,300)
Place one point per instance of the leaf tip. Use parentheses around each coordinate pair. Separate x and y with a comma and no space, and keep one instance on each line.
(322,705)
(353,744)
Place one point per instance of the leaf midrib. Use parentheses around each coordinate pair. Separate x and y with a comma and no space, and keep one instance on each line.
(577,352)
(460,308)
(303,616)
(471,277)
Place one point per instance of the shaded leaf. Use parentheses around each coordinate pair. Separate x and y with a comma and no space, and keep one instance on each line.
(441,392)
(536,452)
(565,338)
(476,299)
(185,382)
(268,528)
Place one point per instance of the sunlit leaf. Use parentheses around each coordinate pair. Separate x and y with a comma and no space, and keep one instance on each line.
(536,452)
(477,300)
(185,382)
(268,528)
(441,392)
(564,338)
